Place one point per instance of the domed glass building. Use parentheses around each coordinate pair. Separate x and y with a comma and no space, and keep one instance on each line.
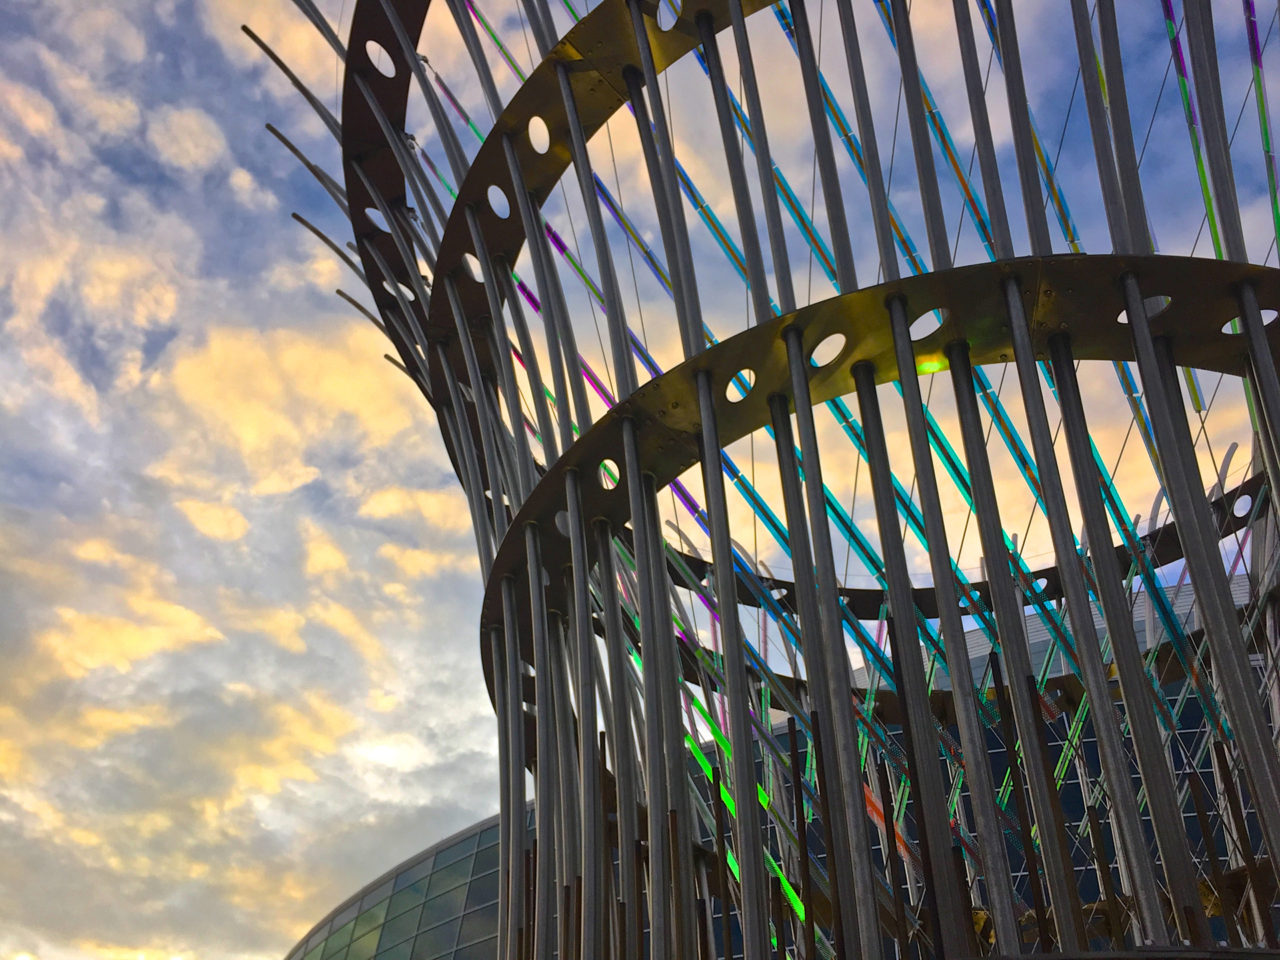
(440,904)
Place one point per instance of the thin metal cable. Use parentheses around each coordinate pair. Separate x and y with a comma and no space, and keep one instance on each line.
(605,355)
(1156,108)
(635,281)
(893,154)
(524,29)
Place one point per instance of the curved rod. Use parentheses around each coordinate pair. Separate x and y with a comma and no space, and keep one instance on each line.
(1073,294)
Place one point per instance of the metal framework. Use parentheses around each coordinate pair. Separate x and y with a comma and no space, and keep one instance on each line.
(1074,757)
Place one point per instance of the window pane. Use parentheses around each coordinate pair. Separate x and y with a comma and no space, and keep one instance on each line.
(399,952)
(374,896)
(370,919)
(484,950)
(400,928)
(346,915)
(364,948)
(436,941)
(444,907)
(450,876)
(483,890)
(406,899)
(489,835)
(479,924)
(457,851)
(338,939)
(317,936)
(486,860)
(416,872)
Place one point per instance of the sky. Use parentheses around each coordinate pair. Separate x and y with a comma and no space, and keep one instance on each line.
(238,585)
(237,581)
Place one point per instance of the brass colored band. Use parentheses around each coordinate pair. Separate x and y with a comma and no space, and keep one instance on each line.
(1073,294)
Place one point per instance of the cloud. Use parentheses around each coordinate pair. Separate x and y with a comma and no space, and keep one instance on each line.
(322,271)
(125,281)
(292,38)
(298,733)
(187,139)
(218,521)
(417,564)
(324,558)
(109,112)
(83,642)
(81,728)
(104,34)
(344,622)
(271,396)
(29,110)
(444,509)
(283,624)
(248,192)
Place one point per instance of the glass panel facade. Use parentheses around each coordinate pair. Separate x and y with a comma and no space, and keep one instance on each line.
(338,939)
(483,950)
(414,873)
(345,916)
(478,924)
(457,850)
(442,905)
(365,947)
(448,904)
(445,878)
(371,919)
(437,941)
(486,860)
(483,890)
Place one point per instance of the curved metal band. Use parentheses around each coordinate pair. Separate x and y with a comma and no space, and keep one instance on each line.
(1076,295)
(596,51)
(1160,544)
(363,141)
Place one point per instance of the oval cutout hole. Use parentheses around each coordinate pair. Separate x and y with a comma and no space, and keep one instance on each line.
(498,201)
(926,323)
(740,385)
(473,266)
(668,14)
(405,291)
(376,218)
(608,474)
(826,352)
(1244,503)
(1236,325)
(539,135)
(380,59)
(1153,305)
